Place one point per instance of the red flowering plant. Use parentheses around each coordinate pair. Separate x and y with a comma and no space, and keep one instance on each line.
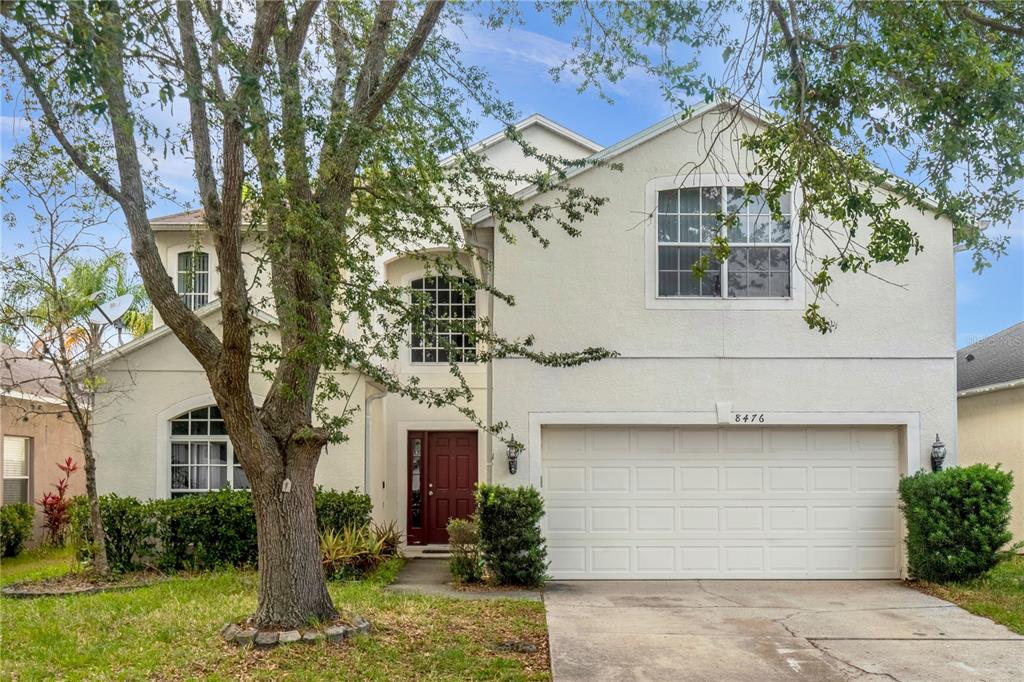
(56,505)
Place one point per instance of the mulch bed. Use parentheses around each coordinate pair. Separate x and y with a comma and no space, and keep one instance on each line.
(487,587)
(80,583)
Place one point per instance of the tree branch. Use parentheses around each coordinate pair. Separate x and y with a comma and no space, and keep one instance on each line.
(77,156)
(390,82)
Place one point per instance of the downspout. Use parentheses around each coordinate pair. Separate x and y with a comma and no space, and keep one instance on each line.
(367,426)
(489,416)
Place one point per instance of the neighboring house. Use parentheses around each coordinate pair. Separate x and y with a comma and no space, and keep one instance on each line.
(725,440)
(990,409)
(37,431)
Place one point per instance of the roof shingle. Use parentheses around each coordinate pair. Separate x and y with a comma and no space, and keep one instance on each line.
(996,359)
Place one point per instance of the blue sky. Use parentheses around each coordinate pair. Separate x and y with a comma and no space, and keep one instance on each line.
(518,60)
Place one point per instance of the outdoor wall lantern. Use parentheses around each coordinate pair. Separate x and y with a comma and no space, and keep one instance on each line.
(938,454)
(515,448)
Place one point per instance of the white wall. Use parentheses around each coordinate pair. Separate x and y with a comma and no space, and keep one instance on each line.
(172,242)
(160,381)
(893,350)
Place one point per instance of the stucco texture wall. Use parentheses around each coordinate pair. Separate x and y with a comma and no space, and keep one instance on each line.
(54,438)
(161,380)
(401,415)
(893,350)
(991,429)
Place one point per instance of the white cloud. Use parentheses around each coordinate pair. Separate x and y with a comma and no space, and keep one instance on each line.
(514,47)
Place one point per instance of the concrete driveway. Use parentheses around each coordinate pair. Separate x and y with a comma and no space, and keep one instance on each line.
(771,630)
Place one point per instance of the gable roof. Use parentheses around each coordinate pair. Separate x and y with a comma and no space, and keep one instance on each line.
(540,121)
(190,218)
(24,376)
(745,107)
(993,362)
(163,330)
(635,140)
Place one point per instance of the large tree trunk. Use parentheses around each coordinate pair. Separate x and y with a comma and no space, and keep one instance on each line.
(292,589)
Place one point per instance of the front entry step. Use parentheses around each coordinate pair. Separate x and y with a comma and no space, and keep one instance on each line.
(428,551)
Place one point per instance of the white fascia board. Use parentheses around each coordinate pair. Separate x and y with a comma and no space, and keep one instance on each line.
(623,146)
(533,119)
(163,330)
(15,394)
(991,388)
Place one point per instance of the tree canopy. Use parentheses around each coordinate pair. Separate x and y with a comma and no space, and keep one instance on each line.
(337,132)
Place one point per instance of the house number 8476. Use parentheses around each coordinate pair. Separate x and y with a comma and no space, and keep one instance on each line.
(749,418)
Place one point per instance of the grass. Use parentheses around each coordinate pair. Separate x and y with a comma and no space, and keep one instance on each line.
(36,564)
(169,631)
(997,595)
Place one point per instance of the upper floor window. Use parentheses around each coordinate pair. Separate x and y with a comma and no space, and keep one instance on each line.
(194,278)
(202,458)
(443,337)
(760,258)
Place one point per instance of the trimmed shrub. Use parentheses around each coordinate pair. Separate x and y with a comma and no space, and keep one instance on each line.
(510,539)
(201,532)
(128,527)
(465,564)
(15,527)
(198,532)
(957,521)
(339,510)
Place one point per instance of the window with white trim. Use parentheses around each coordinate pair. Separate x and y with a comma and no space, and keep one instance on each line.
(760,258)
(17,469)
(202,458)
(194,278)
(451,312)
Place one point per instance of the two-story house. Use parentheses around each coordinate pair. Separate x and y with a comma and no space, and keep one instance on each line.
(726,439)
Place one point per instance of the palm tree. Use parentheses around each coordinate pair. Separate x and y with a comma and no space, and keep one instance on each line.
(63,311)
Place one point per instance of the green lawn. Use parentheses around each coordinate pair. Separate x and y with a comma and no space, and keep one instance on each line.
(998,595)
(170,631)
(36,564)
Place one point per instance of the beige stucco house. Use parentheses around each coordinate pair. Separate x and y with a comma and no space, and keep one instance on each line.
(37,433)
(990,409)
(726,439)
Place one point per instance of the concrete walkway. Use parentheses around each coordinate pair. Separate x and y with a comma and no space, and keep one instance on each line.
(422,575)
(771,630)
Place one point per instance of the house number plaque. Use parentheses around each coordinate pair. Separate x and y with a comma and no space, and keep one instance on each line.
(748,417)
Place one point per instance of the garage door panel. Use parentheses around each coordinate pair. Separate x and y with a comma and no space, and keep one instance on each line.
(655,479)
(780,503)
(655,519)
(698,478)
(608,479)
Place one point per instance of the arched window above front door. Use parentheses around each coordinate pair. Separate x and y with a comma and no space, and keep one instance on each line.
(202,458)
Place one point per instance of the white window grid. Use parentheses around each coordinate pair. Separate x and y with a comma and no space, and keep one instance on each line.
(195,438)
(687,219)
(194,278)
(449,304)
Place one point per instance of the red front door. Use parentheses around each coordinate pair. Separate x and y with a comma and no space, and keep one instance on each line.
(441,482)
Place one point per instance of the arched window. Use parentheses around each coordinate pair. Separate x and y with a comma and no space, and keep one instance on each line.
(442,336)
(202,458)
(194,278)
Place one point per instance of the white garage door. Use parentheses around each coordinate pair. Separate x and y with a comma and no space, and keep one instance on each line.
(652,503)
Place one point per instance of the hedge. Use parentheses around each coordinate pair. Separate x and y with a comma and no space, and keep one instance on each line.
(15,527)
(196,532)
(957,521)
(510,539)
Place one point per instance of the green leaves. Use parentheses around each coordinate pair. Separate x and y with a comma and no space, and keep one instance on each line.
(957,521)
